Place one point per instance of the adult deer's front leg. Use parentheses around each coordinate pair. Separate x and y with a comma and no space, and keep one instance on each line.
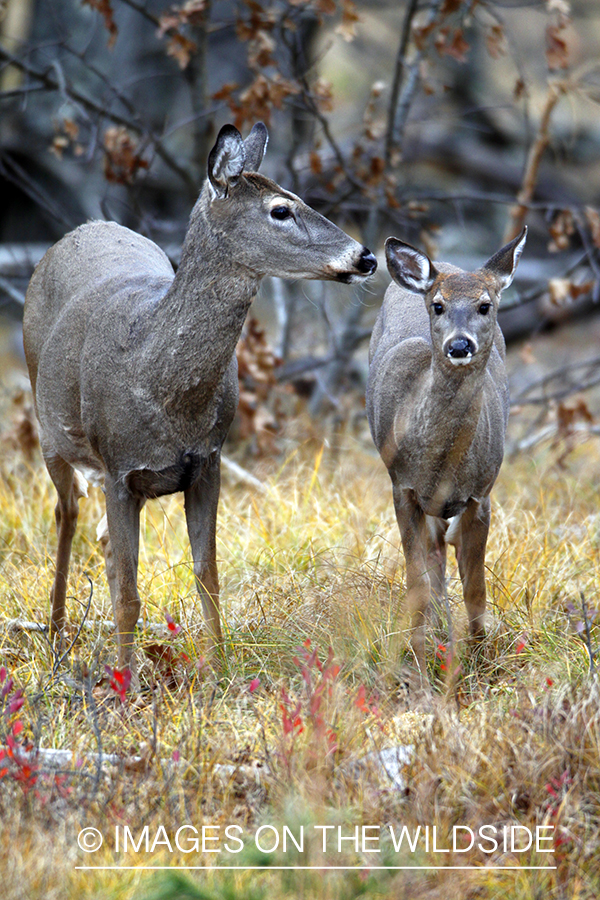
(201,503)
(412,524)
(474,527)
(123,518)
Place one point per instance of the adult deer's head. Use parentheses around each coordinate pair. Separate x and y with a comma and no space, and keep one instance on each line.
(270,230)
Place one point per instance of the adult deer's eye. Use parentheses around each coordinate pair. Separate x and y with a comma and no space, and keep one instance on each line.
(280,213)
(485,308)
(438,309)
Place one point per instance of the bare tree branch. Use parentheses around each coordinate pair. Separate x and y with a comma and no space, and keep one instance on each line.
(556,89)
(399,69)
(197,77)
(570,379)
(52,84)
(400,103)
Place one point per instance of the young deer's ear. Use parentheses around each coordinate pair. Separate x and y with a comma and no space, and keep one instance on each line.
(226,161)
(503,264)
(255,146)
(409,268)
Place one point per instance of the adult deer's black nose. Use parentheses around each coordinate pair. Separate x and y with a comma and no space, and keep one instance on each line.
(460,348)
(367,262)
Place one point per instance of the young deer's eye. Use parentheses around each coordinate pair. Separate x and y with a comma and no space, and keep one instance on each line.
(280,213)
(438,309)
(485,308)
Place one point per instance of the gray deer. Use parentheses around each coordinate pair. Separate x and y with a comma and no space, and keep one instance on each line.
(133,367)
(437,402)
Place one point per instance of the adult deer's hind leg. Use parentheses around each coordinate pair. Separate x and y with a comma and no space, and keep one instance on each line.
(66,512)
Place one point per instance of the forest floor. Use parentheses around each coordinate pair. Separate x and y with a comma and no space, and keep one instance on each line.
(302,747)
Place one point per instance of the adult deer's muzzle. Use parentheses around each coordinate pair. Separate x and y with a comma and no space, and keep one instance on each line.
(357,267)
(367,262)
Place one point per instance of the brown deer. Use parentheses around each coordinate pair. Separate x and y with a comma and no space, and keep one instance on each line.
(133,367)
(437,402)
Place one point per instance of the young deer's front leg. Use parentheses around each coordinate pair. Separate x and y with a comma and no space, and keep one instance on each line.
(436,566)
(413,531)
(201,503)
(121,554)
(470,551)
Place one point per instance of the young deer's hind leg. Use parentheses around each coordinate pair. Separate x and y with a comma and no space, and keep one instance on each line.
(69,491)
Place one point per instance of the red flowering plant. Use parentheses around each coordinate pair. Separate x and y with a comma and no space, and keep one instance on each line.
(310,713)
(557,789)
(17,759)
(119,681)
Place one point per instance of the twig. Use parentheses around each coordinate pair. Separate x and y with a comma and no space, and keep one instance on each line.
(53,758)
(59,662)
(283,303)
(87,684)
(142,11)
(591,252)
(44,632)
(243,475)
(27,626)
(324,122)
(20,91)
(588,636)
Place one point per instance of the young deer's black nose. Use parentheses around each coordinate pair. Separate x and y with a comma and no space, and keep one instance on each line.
(460,348)
(367,262)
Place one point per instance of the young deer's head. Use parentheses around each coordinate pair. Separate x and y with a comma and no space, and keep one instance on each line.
(462,306)
(268,230)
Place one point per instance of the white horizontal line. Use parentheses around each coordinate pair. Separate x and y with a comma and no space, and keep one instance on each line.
(320,868)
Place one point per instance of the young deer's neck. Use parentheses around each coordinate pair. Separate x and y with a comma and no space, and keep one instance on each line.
(202,314)
(455,398)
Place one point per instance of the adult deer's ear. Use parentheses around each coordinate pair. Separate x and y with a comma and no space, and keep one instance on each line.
(255,146)
(409,268)
(226,161)
(503,264)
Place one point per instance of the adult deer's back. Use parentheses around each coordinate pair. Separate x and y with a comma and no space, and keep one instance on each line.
(437,402)
(133,367)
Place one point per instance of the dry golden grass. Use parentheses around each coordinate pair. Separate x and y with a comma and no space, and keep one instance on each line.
(515,741)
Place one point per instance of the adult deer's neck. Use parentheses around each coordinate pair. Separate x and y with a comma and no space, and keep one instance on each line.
(202,315)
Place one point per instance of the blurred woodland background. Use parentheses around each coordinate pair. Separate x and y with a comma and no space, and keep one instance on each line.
(448,123)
